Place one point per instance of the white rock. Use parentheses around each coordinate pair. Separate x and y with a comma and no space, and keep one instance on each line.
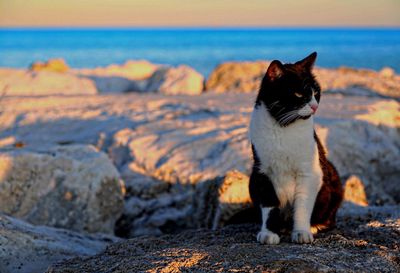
(134,70)
(129,77)
(73,187)
(176,80)
(359,148)
(15,82)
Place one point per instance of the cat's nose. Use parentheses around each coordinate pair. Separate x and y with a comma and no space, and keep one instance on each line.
(314,107)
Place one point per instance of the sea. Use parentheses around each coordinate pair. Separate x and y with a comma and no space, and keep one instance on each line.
(201,48)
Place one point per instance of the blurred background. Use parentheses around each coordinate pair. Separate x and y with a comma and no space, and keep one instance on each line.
(361,34)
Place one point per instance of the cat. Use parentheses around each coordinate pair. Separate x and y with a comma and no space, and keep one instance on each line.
(292,181)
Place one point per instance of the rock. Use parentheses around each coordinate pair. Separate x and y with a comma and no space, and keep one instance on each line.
(237,77)
(14,82)
(45,79)
(368,147)
(52,65)
(114,84)
(354,191)
(176,80)
(130,77)
(366,241)
(185,142)
(134,70)
(387,72)
(139,70)
(73,187)
(344,79)
(246,77)
(168,213)
(28,248)
(153,207)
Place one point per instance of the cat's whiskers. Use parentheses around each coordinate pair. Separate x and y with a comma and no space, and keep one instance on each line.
(287,117)
(288,120)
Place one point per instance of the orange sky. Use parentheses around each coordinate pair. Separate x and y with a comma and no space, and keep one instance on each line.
(199,13)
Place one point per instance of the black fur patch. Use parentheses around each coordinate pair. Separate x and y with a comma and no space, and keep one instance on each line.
(277,90)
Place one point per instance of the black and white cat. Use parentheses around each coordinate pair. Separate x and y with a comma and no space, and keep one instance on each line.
(292,181)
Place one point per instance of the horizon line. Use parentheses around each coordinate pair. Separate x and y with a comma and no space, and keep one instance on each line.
(178,27)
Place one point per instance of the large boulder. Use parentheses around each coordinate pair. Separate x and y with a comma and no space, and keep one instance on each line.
(367,146)
(25,248)
(237,77)
(17,82)
(72,187)
(382,83)
(176,80)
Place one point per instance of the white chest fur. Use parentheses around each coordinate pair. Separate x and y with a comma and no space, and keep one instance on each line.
(286,153)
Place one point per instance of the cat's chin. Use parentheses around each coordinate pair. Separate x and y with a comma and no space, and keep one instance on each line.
(294,120)
(305,117)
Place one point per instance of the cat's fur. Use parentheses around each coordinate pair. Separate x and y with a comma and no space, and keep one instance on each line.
(292,181)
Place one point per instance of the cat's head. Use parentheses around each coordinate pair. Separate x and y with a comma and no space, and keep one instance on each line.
(290,91)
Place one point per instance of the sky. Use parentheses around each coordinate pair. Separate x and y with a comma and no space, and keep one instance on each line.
(213,13)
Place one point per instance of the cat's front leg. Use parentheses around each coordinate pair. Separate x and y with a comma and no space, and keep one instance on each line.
(307,188)
(266,236)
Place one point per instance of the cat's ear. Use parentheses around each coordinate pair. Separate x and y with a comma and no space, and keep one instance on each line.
(275,70)
(308,62)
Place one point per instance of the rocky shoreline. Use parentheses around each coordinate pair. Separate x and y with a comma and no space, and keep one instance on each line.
(148,150)
(55,77)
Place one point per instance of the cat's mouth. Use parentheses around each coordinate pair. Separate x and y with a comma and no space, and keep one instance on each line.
(308,110)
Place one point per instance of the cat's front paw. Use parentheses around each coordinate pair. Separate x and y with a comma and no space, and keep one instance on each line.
(302,237)
(268,237)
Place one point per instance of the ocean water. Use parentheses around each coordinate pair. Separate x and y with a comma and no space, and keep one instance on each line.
(202,49)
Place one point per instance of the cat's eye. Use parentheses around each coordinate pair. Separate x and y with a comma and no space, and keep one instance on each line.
(298,95)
